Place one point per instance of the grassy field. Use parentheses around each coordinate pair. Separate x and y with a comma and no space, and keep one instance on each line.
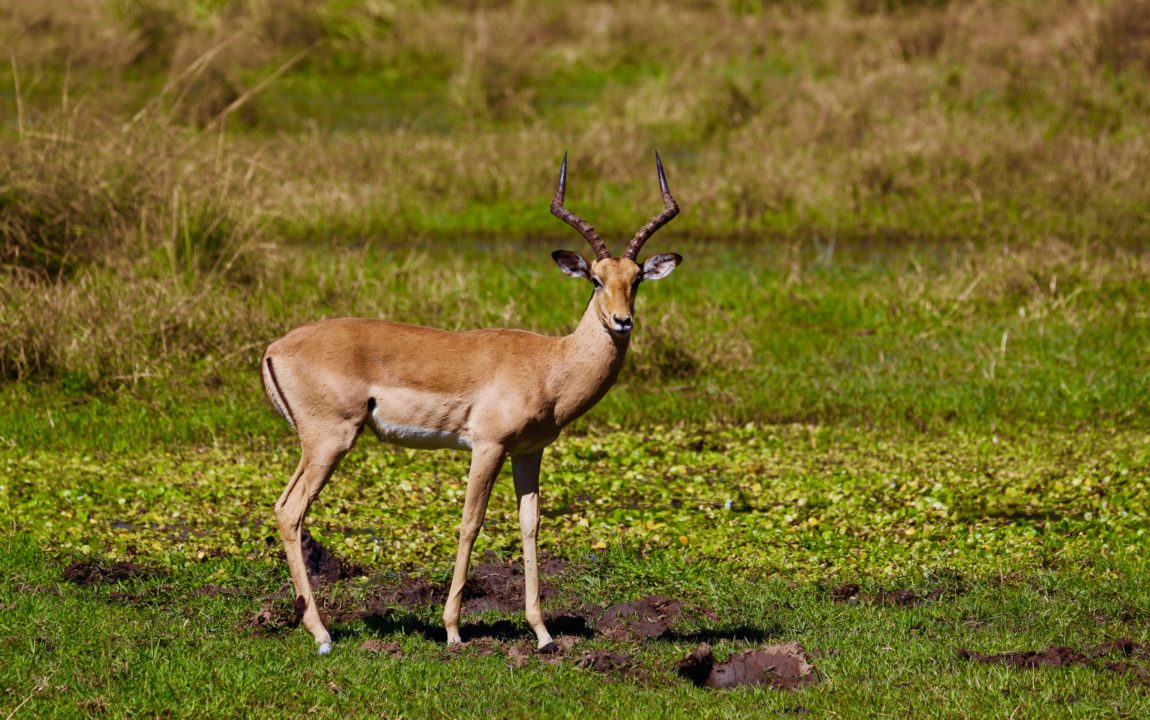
(894,405)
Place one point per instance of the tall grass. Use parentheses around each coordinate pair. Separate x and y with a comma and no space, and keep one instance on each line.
(181,182)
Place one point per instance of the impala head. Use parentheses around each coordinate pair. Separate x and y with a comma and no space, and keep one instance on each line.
(616,279)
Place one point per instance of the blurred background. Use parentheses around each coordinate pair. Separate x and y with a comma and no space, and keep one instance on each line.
(896,213)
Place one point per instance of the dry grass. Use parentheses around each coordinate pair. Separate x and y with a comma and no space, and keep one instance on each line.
(144,201)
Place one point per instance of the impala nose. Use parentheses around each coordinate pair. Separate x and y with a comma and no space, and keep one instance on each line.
(622,325)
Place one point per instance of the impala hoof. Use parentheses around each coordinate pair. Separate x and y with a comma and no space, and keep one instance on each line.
(548,649)
(324,648)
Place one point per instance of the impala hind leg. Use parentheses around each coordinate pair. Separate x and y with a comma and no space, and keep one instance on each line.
(315,467)
(526,471)
(486,460)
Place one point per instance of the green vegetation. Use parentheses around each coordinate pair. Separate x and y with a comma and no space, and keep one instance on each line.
(909,346)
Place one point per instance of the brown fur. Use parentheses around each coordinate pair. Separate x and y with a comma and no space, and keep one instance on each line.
(503,393)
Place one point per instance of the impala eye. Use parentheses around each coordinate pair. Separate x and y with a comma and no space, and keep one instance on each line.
(596,283)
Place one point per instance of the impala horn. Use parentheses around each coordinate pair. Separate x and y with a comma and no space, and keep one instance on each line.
(588,232)
(672,209)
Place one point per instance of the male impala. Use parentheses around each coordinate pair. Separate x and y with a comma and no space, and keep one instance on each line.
(497,393)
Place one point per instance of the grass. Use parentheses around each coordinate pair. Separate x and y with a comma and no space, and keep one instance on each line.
(1035,540)
(907,348)
(797,501)
(925,337)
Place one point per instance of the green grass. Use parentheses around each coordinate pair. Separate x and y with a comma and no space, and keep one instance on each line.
(1035,541)
(918,336)
(908,347)
(798,501)
(182,656)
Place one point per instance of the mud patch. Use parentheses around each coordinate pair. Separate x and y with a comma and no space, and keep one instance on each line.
(379,647)
(416,593)
(1053,656)
(325,566)
(483,647)
(518,655)
(783,667)
(605,661)
(1059,656)
(848,593)
(1122,646)
(645,619)
(153,596)
(90,572)
(275,616)
(498,586)
(494,587)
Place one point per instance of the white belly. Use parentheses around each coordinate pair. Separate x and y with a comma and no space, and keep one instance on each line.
(420,438)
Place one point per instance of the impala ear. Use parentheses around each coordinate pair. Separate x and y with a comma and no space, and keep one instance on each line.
(660,266)
(571,263)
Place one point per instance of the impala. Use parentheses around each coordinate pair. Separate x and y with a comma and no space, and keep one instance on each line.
(498,393)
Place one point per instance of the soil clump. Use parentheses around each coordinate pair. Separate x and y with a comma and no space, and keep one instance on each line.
(783,667)
(498,586)
(605,661)
(380,647)
(1059,656)
(275,616)
(325,566)
(1053,656)
(645,619)
(96,572)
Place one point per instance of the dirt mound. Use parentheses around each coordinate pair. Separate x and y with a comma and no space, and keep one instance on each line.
(325,566)
(97,572)
(605,661)
(783,667)
(498,586)
(1053,656)
(417,593)
(1059,656)
(552,565)
(276,615)
(1122,646)
(379,647)
(494,586)
(645,619)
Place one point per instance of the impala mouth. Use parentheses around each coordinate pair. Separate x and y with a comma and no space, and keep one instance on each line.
(621,329)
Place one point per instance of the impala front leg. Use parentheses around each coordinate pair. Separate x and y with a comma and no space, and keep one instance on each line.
(486,460)
(526,471)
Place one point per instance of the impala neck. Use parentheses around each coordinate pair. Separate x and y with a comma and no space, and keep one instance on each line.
(591,358)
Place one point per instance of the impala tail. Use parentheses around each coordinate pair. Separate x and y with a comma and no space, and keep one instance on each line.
(274,392)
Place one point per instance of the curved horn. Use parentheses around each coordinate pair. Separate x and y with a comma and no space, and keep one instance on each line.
(672,209)
(574,220)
